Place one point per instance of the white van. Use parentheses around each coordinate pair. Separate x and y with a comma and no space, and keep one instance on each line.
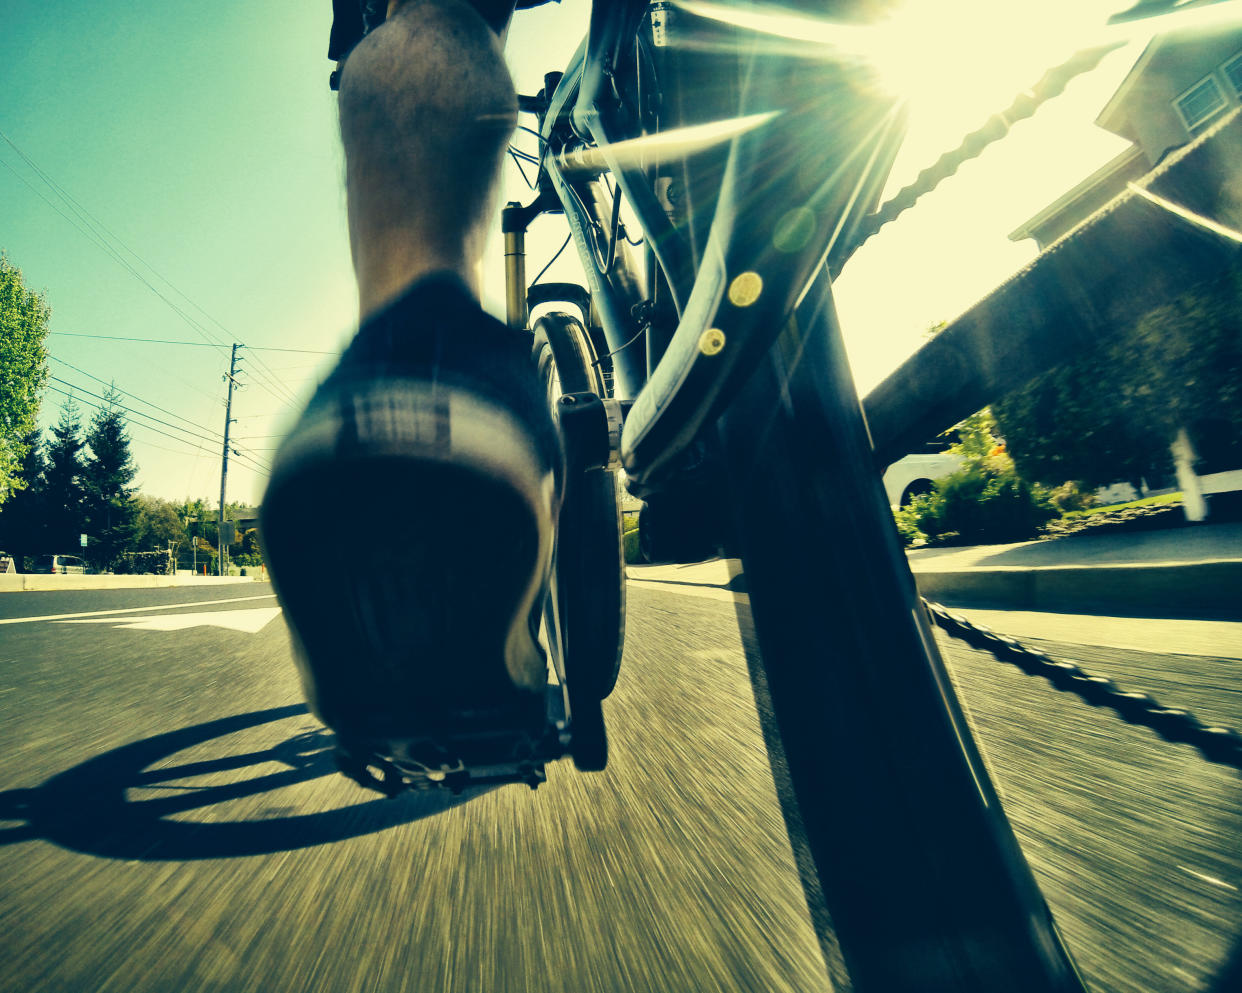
(60,565)
(913,476)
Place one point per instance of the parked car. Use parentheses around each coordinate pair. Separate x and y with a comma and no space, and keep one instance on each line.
(60,565)
(913,475)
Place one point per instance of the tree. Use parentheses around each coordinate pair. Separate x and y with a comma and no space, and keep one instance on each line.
(158,523)
(108,474)
(1082,421)
(1190,354)
(200,528)
(23,520)
(64,498)
(24,318)
(1112,412)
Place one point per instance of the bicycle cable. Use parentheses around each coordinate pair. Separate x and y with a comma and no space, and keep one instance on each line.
(564,244)
(620,348)
(517,161)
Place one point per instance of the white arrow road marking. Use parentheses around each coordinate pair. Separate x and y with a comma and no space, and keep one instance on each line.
(252,621)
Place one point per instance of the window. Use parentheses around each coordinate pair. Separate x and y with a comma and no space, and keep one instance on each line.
(1233,72)
(1200,102)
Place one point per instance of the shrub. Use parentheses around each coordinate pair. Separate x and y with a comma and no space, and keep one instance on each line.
(1070,496)
(986,501)
(629,545)
(158,563)
(908,519)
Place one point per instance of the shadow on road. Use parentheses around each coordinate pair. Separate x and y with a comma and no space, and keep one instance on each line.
(87,808)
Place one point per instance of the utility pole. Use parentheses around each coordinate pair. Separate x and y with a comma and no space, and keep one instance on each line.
(224,458)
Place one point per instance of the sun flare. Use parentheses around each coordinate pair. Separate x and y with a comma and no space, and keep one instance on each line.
(953,61)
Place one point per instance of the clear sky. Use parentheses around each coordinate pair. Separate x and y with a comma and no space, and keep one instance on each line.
(171,171)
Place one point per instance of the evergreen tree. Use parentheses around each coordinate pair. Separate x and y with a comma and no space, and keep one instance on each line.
(23,523)
(64,499)
(108,473)
(23,370)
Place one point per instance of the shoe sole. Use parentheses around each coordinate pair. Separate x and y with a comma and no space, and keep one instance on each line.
(423,632)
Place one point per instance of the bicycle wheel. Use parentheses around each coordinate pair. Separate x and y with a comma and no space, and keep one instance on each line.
(921,876)
(585,608)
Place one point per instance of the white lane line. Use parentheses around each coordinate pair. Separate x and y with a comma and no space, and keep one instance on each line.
(134,610)
(251,620)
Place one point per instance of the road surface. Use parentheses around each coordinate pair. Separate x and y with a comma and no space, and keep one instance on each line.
(170,821)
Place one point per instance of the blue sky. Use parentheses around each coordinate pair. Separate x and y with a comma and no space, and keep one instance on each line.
(201,138)
(198,198)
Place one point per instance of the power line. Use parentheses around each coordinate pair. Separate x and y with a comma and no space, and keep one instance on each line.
(253,463)
(132,396)
(139,413)
(176,427)
(96,406)
(99,233)
(93,228)
(191,344)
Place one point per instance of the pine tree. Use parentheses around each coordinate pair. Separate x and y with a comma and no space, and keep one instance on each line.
(23,519)
(108,473)
(64,497)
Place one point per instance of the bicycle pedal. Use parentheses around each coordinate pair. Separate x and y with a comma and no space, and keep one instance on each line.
(474,756)
(375,772)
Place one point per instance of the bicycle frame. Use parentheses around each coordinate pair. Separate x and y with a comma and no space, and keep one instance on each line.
(741,284)
(922,878)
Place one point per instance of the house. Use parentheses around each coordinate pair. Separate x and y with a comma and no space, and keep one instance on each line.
(1182,83)
(1163,215)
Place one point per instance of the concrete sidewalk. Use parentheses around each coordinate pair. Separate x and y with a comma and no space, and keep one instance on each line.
(1193,571)
(1175,591)
(28,582)
(1187,571)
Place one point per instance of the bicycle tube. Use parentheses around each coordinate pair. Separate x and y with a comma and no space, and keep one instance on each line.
(753,269)
(751,273)
(923,880)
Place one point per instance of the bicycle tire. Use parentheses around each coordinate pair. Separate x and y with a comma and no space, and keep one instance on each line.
(918,870)
(585,607)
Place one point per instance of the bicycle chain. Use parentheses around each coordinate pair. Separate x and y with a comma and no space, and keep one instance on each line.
(1051,84)
(1217,744)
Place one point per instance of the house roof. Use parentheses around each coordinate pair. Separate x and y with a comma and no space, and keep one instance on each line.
(1110,117)
(1110,168)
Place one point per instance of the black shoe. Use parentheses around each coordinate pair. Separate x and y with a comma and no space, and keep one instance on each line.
(408,526)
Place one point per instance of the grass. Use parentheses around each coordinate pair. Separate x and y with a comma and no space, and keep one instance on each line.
(1151,501)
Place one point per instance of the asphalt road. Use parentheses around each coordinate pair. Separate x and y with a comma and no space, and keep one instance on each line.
(170,821)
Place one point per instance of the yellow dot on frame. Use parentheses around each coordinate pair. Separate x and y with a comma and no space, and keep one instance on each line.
(745,289)
(712,341)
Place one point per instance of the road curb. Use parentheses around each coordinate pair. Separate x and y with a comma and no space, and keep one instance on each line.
(1196,589)
(31,582)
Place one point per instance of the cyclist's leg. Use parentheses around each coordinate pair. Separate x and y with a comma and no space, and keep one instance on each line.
(432,429)
(427,108)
